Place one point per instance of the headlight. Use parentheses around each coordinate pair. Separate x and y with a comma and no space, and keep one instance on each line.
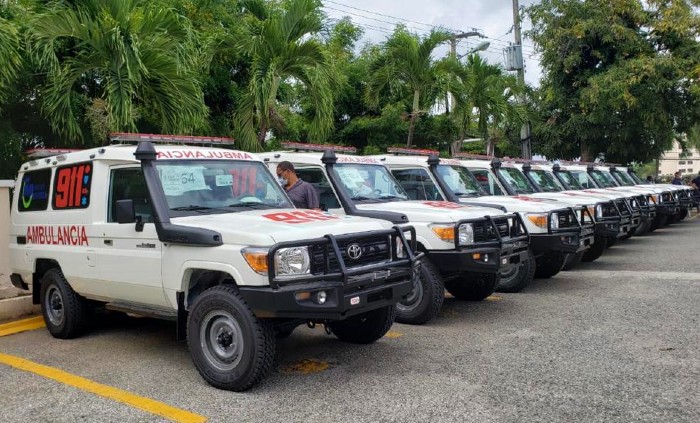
(466,233)
(444,232)
(539,219)
(598,211)
(292,261)
(633,203)
(400,250)
(555,221)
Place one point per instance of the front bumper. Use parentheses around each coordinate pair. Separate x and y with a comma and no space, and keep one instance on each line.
(499,243)
(608,228)
(350,288)
(566,242)
(342,301)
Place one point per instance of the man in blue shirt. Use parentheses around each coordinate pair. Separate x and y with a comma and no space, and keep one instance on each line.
(302,194)
(677,179)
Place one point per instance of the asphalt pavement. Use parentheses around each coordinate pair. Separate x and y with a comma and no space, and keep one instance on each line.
(613,340)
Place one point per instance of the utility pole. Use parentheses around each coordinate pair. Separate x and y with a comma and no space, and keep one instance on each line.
(525,145)
(450,100)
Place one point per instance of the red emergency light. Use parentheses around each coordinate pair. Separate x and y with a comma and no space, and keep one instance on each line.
(40,153)
(412,151)
(302,146)
(126,137)
(472,156)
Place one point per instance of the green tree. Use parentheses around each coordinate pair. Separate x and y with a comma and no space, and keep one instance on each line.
(278,39)
(406,64)
(118,63)
(621,77)
(485,97)
(10,52)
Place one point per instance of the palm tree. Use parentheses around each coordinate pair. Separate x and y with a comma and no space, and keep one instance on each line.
(10,56)
(484,93)
(278,40)
(406,63)
(128,58)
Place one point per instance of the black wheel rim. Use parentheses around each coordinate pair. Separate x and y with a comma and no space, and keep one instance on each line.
(414,297)
(221,340)
(53,304)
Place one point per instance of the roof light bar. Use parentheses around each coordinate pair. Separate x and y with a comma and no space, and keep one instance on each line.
(40,153)
(302,146)
(412,151)
(124,137)
(472,156)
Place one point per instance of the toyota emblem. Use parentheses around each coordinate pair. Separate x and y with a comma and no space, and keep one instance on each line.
(354,251)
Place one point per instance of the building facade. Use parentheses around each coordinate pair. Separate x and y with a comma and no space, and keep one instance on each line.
(675,160)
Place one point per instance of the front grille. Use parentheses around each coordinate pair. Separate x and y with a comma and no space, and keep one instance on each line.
(622,207)
(374,250)
(609,210)
(484,231)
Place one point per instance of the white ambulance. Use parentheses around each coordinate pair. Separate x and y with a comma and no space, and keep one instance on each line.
(205,237)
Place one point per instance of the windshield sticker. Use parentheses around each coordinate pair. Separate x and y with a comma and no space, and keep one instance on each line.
(179,179)
(224,180)
(443,204)
(350,176)
(354,159)
(57,235)
(300,216)
(204,154)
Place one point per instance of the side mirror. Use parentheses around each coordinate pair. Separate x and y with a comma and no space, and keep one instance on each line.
(125,212)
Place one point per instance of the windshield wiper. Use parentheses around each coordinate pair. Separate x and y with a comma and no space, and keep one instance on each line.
(190,208)
(363,198)
(251,204)
(467,194)
(391,197)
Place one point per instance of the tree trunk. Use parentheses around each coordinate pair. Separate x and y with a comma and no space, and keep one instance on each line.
(265,116)
(414,116)
(586,155)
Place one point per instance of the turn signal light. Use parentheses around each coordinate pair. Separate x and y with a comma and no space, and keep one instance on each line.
(538,220)
(257,259)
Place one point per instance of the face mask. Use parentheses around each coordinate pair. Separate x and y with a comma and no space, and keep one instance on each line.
(282,181)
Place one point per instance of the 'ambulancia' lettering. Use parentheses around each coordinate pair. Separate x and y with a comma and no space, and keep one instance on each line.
(57,235)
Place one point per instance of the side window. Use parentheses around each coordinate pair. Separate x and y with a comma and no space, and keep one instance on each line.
(317,178)
(417,184)
(129,183)
(489,185)
(34,191)
(71,186)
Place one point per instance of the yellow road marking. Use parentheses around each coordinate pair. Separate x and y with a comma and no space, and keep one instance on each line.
(306,366)
(21,326)
(393,334)
(116,394)
(494,298)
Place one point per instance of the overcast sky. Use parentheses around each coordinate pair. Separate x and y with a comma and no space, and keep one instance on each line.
(493,18)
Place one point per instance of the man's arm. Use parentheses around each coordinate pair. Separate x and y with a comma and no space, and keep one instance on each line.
(312,200)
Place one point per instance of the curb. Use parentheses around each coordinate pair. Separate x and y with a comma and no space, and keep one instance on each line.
(12,308)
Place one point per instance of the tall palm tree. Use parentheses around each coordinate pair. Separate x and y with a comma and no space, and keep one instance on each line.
(488,96)
(406,63)
(10,56)
(278,40)
(131,57)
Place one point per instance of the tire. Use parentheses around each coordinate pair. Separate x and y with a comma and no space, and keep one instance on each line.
(473,286)
(628,234)
(365,328)
(230,347)
(596,250)
(518,278)
(572,260)
(659,221)
(549,264)
(65,312)
(644,228)
(425,300)
(282,332)
(683,215)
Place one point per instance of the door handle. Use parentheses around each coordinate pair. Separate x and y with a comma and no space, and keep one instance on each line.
(108,242)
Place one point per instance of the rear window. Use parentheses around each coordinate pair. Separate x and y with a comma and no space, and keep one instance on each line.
(34,191)
(71,186)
